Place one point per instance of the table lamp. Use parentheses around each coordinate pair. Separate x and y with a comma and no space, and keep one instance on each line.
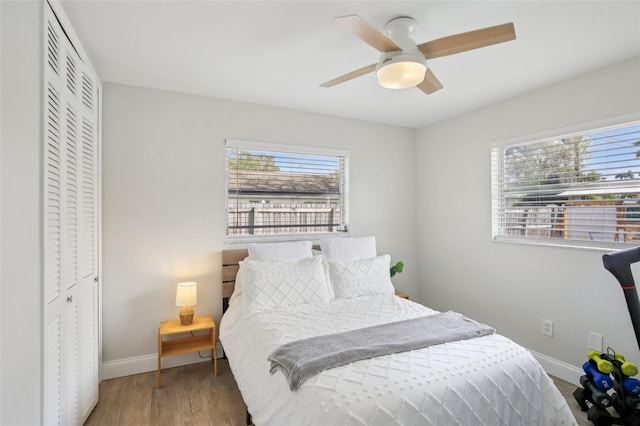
(186,298)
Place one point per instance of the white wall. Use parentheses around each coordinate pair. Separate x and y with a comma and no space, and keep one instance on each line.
(513,287)
(1,138)
(20,255)
(164,202)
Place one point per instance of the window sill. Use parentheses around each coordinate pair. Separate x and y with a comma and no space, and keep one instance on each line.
(243,239)
(581,245)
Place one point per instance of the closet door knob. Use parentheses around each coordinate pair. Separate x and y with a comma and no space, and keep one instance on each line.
(69,299)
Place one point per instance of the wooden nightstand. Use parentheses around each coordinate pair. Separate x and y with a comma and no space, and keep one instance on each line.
(402,294)
(183,345)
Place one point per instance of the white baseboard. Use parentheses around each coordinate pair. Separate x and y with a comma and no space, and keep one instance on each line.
(559,369)
(146,363)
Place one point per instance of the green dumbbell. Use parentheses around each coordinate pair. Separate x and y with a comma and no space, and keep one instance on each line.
(603,365)
(627,368)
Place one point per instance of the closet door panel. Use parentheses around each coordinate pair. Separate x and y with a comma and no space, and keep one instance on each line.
(71,308)
(71,395)
(53,370)
(88,200)
(53,195)
(55,362)
(88,243)
(71,198)
(88,351)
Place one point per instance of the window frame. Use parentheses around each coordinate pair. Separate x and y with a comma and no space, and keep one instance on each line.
(497,194)
(343,155)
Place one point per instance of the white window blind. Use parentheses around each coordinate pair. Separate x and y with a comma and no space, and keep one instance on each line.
(276,191)
(578,189)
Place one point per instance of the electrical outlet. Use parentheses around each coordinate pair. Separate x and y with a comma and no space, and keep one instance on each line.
(547,327)
(596,342)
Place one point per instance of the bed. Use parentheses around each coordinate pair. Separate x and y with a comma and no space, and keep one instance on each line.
(488,380)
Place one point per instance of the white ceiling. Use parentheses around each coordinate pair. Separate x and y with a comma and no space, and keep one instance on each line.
(277,53)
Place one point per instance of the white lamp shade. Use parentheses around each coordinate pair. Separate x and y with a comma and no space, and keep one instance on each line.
(400,71)
(187,294)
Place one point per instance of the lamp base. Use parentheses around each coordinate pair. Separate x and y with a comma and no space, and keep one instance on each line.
(186,315)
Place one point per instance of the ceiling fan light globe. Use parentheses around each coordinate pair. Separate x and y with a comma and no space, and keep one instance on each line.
(400,71)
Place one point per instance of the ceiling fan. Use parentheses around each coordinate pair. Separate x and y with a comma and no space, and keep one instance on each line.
(402,63)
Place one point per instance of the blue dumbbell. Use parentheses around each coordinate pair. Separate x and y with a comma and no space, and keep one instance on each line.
(602,381)
(632,386)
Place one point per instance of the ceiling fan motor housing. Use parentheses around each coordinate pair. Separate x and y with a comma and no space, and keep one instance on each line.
(400,30)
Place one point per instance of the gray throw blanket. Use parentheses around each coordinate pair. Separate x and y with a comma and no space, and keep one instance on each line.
(302,359)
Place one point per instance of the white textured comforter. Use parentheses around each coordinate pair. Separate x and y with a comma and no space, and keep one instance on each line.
(488,380)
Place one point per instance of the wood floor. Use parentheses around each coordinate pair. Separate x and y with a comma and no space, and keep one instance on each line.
(191,395)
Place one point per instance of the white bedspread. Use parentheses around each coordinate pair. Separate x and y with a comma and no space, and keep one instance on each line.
(488,380)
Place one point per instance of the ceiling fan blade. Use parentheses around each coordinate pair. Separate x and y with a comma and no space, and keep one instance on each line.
(430,83)
(468,41)
(367,33)
(349,76)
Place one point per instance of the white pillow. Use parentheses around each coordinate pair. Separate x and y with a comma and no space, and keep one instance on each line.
(281,252)
(271,284)
(366,277)
(349,249)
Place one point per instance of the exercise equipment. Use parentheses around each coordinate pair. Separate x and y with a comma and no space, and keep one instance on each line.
(619,264)
(600,391)
(603,365)
(596,414)
(631,386)
(608,380)
(632,403)
(628,368)
(599,396)
(601,380)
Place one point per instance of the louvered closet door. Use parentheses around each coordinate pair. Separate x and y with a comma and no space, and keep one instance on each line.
(88,246)
(70,230)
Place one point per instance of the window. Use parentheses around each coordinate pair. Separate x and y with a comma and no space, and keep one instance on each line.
(579,189)
(280,191)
